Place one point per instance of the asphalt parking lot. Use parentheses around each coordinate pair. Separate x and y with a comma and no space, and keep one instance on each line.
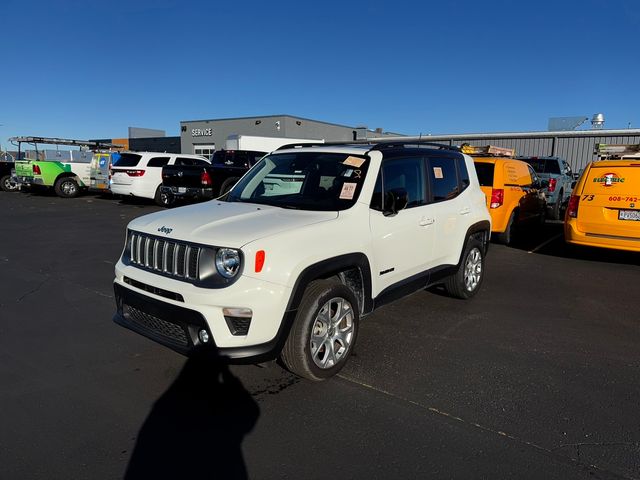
(536,377)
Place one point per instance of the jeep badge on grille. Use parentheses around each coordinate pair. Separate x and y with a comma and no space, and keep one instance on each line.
(165,230)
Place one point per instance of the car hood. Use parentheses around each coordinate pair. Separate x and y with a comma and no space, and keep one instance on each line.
(226,224)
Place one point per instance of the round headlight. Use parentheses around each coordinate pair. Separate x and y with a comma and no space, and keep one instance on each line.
(228,262)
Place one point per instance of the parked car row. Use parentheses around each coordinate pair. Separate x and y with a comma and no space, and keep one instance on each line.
(516,196)
(602,211)
(400,216)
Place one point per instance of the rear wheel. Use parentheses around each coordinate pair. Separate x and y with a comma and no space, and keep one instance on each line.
(227,184)
(555,209)
(8,185)
(66,187)
(508,235)
(324,332)
(466,282)
(162,198)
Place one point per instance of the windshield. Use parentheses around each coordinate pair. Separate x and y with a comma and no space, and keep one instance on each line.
(303,180)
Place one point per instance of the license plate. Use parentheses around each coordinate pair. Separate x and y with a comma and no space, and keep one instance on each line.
(629,215)
(182,189)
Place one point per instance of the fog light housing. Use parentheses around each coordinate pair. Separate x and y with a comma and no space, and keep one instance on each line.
(238,320)
(203,335)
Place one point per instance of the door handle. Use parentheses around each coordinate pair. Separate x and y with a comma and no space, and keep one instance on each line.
(465,211)
(424,221)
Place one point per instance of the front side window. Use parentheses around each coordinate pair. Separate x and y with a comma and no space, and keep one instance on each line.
(303,180)
(401,174)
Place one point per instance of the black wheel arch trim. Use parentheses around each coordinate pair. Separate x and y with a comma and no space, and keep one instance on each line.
(483,227)
(329,267)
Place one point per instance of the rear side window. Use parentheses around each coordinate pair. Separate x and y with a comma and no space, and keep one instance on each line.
(443,178)
(158,162)
(463,174)
(127,160)
(485,173)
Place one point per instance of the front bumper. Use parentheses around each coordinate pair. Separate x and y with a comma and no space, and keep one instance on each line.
(178,328)
(172,312)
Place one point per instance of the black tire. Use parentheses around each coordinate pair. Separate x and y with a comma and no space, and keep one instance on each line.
(555,209)
(507,237)
(466,282)
(66,187)
(163,199)
(227,184)
(7,185)
(304,357)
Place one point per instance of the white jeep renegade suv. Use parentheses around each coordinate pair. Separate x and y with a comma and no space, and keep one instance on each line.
(308,242)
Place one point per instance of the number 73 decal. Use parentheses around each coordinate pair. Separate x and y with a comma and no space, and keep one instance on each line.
(588,198)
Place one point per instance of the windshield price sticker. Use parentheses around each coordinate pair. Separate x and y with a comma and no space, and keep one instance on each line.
(354,161)
(348,191)
(437,172)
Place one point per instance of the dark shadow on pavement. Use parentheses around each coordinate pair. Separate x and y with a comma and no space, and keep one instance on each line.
(196,428)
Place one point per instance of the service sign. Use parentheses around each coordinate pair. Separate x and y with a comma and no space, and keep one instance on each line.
(201,132)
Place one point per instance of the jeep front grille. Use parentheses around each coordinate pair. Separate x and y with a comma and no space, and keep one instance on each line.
(176,259)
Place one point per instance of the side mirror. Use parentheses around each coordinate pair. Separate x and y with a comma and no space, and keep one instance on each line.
(573,184)
(395,200)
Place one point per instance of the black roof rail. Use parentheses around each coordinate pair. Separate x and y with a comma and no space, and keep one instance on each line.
(425,143)
(375,145)
(300,145)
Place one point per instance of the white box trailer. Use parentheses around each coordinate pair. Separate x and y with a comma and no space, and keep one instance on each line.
(262,144)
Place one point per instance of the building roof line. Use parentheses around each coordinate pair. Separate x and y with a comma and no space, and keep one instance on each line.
(499,135)
(260,117)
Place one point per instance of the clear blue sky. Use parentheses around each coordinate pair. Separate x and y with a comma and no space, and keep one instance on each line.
(87,69)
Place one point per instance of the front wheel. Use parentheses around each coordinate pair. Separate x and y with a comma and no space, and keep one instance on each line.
(7,184)
(466,282)
(66,187)
(324,332)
